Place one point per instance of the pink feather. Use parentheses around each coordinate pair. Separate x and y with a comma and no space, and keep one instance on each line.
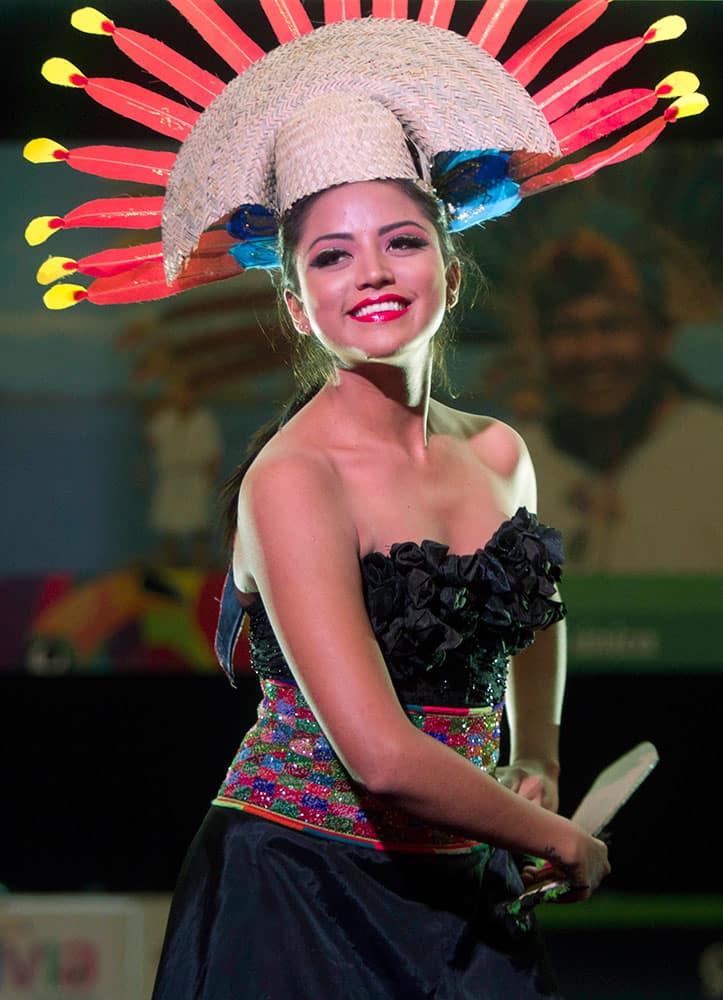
(390,8)
(141,105)
(221,32)
(341,10)
(121,163)
(627,147)
(527,62)
(494,23)
(169,66)
(288,19)
(565,92)
(122,213)
(437,12)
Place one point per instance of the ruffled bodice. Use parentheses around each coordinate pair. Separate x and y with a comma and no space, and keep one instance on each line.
(447,624)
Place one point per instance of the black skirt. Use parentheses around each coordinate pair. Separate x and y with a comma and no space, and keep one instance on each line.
(262,912)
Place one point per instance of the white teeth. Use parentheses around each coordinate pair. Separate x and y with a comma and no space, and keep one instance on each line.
(379,307)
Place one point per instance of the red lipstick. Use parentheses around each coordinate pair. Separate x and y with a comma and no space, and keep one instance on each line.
(372,309)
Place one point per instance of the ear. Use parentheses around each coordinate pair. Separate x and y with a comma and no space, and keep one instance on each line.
(296,311)
(454,277)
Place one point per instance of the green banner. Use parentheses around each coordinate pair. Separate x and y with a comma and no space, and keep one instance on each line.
(649,623)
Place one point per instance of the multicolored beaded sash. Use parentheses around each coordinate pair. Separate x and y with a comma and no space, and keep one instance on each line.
(286,771)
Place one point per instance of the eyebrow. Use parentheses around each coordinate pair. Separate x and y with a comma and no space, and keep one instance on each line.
(380,232)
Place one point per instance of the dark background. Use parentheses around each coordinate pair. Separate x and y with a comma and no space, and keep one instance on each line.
(35,30)
(105,779)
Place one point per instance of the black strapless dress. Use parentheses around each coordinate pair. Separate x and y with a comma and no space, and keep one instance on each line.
(298,885)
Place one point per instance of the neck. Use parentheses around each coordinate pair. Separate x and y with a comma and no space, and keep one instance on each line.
(389,402)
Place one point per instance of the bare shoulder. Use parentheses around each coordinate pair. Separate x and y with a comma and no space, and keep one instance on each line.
(498,445)
(291,499)
(291,478)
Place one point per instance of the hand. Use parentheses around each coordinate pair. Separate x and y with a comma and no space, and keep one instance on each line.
(583,873)
(532,781)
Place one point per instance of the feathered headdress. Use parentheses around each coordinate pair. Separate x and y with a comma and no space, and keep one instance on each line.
(360,98)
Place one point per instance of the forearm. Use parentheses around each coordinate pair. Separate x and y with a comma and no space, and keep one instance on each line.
(438,785)
(534,700)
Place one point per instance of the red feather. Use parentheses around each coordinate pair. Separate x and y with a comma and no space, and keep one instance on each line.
(169,66)
(630,146)
(288,19)
(148,281)
(341,10)
(494,23)
(527,62)
(587,124)
(596,119)
(122,163)
(565,92)
(122,213)
(437,12)
(111,262)
(143,106)
(390,8)
(222,34)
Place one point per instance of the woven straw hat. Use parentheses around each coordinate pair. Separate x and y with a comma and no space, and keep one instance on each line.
(358,99)
(447,94)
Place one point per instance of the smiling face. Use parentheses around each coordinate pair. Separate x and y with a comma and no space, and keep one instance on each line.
(372,279)
(600,351)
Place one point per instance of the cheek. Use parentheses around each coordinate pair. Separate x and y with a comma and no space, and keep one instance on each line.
(559,351)
(320,292)
(629,346)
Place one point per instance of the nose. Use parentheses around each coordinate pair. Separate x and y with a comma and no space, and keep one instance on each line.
(374,269)
(593,344)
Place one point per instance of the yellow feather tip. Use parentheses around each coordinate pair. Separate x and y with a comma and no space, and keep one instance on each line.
(61,72)
(39,230)
(43,151)
(54,268)
(667,28)
(688,104)
(678,83)
(64,296)
(91,21)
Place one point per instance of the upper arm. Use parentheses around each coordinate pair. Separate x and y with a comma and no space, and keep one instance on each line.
(300,545)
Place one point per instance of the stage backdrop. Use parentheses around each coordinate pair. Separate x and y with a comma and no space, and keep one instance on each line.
(88,580)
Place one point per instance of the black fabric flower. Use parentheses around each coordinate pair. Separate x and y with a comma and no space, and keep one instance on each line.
(447,624)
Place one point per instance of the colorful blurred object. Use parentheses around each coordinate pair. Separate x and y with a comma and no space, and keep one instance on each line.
(133,620)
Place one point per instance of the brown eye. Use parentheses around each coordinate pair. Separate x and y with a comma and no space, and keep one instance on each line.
(328,257)
(406,241)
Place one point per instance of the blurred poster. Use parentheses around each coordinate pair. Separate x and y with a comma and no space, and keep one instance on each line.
(70,948)
(608,315)
(596,332)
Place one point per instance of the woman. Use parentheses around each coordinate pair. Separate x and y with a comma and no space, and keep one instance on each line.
(369,462)
(361,844)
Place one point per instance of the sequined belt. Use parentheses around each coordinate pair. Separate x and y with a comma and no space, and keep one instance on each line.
(286,771)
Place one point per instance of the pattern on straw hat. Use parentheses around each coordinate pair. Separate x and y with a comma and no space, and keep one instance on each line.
(447,93)
(479,132)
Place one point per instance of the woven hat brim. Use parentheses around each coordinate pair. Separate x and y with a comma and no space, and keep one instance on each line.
(447,93)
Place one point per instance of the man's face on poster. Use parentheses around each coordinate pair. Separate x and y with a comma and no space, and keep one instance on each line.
(599,350)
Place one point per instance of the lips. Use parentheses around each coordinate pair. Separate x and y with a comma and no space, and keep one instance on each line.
(380,310)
